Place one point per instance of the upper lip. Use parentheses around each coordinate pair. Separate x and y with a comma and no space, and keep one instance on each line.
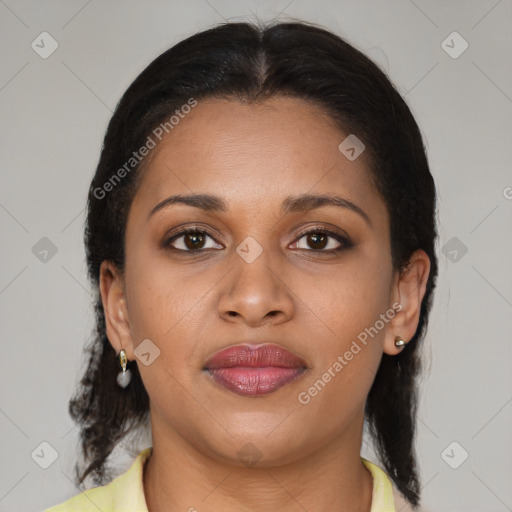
(254,356)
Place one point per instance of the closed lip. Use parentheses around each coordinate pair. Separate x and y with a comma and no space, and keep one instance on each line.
(254,356)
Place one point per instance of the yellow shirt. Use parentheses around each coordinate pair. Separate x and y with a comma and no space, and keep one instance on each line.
(126,492)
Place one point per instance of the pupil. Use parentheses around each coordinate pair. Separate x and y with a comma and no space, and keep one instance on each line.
(195,238)
(315,238)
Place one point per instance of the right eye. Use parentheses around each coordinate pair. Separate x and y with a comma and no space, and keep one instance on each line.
(189,240)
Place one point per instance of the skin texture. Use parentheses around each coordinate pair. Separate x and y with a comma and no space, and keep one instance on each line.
(313,303)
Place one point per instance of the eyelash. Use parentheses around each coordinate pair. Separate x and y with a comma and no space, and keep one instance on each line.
(343,240)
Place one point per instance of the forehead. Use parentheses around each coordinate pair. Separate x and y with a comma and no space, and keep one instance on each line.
(255,154)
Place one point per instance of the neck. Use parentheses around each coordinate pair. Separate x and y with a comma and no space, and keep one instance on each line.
(178,477)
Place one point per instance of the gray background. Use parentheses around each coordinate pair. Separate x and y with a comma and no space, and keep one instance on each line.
(54,115)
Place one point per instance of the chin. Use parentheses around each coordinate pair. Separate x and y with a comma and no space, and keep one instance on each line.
(251,448)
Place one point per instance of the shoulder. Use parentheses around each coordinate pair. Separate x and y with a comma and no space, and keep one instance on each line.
(88,501)
(126,492)
(386,497)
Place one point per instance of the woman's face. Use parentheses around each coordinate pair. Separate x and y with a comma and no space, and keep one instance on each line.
(254,277)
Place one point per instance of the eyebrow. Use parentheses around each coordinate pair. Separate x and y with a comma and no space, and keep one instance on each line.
(291,204)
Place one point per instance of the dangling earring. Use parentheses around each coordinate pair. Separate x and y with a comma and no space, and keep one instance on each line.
(399,342)
(124,377)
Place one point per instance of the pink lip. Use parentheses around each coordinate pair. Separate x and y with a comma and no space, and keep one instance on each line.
(251,370)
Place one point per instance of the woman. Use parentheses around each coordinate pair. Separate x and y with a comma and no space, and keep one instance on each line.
(261,236)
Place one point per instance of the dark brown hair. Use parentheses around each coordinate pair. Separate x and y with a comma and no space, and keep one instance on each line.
(250,62)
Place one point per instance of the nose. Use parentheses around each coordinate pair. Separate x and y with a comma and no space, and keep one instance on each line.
(256,293)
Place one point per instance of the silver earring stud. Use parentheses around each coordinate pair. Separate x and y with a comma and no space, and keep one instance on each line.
(124,377)
(399,342)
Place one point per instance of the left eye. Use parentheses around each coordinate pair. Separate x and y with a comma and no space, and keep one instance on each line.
(319,239)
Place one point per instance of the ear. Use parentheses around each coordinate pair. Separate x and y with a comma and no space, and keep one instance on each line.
(408,290)
(114,305)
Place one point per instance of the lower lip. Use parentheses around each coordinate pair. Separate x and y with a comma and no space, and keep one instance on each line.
(248,381)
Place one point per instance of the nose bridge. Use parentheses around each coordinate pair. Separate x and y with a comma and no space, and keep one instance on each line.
(256,288)
(254,237)
(255,265)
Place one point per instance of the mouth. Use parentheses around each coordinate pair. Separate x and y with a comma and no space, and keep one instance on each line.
(254,370)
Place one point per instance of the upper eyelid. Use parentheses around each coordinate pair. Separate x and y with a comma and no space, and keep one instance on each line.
(197,227)
(331,230)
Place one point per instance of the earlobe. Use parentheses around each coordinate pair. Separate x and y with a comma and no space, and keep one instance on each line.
(114,307)
(409,290)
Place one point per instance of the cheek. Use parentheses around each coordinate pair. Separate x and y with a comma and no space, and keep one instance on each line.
(169,308)
(350,304)
(348,351)
(354,298)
